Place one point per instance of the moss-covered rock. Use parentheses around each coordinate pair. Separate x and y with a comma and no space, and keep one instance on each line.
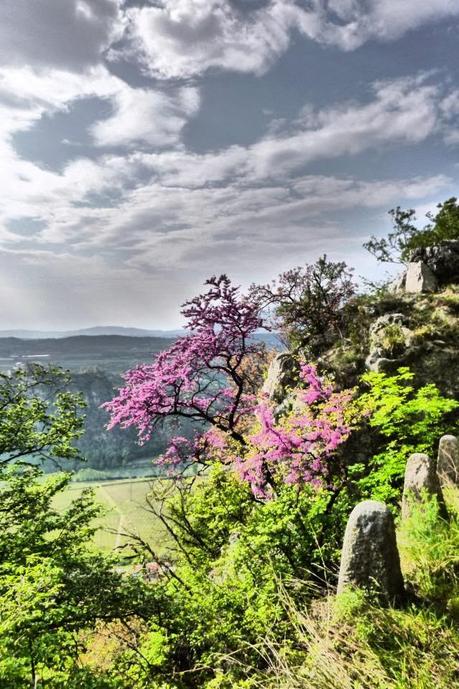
(392,330)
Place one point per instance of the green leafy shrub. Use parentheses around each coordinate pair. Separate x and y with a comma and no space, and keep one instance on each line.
(231,553)
(348,642)
(405,420)
(53,586)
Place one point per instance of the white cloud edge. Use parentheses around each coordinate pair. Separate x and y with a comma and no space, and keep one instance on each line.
(401,112)
(183,38)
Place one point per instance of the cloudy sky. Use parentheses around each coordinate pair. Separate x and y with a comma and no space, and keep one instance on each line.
(145,145)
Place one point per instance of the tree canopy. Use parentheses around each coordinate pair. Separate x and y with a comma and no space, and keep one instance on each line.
(53,585)
(306,304)
(39,418)
(406,236)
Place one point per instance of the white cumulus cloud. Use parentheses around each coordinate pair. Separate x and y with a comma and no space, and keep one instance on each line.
(146,115)
(180,38)
(382,20)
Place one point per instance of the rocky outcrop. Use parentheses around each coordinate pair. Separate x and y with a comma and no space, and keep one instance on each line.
(419,278)
(429,269)
(421,482)
(398,283)
(282,375)
(442,259)
(370,558)
(420,331)
(389,340)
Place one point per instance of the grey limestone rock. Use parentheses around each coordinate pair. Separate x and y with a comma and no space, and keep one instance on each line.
(421,480)
(419,278)
(370,558)
(281,376)
(389,340)
(448,460)
(442,259)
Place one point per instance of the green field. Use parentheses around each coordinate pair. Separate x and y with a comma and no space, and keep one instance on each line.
(124,510)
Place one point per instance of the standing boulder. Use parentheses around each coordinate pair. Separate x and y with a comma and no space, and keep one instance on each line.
(419,278)
(370,558)
(448,460)
(421,481)
(442,259)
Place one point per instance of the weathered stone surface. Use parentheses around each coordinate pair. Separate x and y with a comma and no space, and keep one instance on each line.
(281,376)
(382,364)
(421,480)
(442,259)
(389,340)
(370,558)
(448,460)
(419,278)
(382,322)
(434,361)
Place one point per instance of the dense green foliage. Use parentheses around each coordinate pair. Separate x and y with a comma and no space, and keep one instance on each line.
(246,610)
(53,586)
(231,554)
(352,642)
(407,420)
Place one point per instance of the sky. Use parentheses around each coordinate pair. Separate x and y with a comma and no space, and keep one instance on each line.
(147,145)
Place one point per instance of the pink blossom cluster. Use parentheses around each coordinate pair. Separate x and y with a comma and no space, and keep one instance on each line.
(298,447)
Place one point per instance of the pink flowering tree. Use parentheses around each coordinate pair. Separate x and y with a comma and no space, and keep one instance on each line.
(208,377)
(202,377)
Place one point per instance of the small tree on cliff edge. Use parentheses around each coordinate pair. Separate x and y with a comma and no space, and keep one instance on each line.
(204,376)
(405,236)
(306,304)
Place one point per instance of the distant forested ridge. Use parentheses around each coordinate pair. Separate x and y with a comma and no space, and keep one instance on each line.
(72,352)
(95,363)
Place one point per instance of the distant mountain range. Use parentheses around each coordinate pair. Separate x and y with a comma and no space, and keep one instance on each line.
(113,331)
(89,332)
(91,348)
